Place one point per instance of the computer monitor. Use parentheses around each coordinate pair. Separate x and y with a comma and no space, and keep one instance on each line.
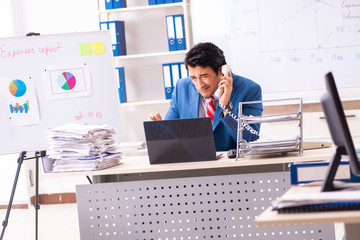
(339,131)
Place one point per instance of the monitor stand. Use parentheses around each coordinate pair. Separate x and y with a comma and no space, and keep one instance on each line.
(328,184)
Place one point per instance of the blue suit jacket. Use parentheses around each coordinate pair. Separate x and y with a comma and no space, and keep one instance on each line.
(185,104)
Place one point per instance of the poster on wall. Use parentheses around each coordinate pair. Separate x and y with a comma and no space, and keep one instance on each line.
(19,101)
(67,81)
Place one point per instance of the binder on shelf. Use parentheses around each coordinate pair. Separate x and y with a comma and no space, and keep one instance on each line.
(175,1)
(104,26)
(169,1)
(152,2)
(183,72)
(170,27)
(175,73)
(180,32)
(167,75)
(109,4)
(117,33)
(119,3)
(160,1)
(120,77)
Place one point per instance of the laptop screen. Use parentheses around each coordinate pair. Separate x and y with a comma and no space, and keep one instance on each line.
(180,140)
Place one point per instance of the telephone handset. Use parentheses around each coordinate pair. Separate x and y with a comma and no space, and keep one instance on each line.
(225,71)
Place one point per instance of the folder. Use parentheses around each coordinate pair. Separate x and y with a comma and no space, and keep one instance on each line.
(109,4)
(175,1)
(183,72)
(167,80)
(119,3)
(315,171)
(160,1)
(104,26)
(117,34)
(175,73)
(312,172)
(180,32)
(169,1)
(152,2)
(170,27)
(120,77)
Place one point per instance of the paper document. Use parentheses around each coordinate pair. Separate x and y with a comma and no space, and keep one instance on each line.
(268,146)
(76,147)
(271,118)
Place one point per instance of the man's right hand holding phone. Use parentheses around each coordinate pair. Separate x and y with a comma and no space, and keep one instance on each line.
(226,86)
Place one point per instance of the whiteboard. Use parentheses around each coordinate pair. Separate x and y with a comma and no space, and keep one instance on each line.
(285,46)
(47,81)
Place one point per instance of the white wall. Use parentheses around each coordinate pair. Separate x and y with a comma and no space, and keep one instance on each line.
(18,17)
(6,25)
(51,16)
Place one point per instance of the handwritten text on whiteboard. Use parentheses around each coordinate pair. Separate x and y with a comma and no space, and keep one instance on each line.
(9,53)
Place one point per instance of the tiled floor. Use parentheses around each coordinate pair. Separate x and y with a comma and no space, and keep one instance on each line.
(55,222)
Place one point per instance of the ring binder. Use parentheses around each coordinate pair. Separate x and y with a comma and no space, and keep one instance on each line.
(170,27)
(117,33)
(167,80)
(179,32)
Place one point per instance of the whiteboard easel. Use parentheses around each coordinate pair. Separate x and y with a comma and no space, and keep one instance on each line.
(48,63)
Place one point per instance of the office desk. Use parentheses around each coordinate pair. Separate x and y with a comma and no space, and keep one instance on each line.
(198,200)
(351,219)
(137,162)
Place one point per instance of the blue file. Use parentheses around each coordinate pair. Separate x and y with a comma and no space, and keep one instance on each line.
(117,33)
(170,27)
(109,4)
(167,80)
(160,1)
(119,3)
(315,171)
(120,77)
(175,1)
(169,1)
(104,26)
(152,2)
(175,73)
(183,72)
(179,32)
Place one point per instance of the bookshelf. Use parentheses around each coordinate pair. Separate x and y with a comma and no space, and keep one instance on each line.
(147,49)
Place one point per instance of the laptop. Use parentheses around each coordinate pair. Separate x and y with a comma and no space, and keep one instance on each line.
(180,140)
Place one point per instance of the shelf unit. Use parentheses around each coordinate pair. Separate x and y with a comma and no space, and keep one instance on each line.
(146,38)
(147,50)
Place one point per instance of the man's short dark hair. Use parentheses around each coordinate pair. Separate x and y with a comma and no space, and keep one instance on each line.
(205,55)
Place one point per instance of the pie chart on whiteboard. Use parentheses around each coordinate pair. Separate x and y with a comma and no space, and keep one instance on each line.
(17,88)
(66,81)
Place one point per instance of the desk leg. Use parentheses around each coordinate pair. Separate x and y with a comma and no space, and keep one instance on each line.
(352,231)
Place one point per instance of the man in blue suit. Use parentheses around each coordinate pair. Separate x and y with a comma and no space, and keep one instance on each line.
(189,100)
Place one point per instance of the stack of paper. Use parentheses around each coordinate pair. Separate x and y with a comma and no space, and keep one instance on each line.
(76,147)
(267,146)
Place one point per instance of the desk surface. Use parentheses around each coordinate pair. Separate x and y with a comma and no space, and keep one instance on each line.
(270,217)
(138,162)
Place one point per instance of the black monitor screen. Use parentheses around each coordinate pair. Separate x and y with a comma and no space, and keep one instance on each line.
(339,131)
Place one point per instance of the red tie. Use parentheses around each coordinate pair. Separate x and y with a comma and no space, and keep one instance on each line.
(210,108)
